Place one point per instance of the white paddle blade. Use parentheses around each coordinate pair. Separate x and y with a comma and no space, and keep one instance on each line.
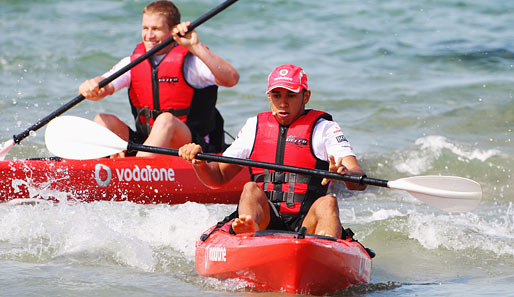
(77,138)
(450,193)
(5,148)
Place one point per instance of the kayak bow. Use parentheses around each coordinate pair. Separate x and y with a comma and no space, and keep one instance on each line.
(283,261)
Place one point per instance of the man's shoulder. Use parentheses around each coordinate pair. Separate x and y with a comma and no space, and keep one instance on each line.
(328,129)
(326,123)
(250,123)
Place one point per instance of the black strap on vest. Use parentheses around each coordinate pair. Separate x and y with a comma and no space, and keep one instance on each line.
(289,198)
(148,114)
(278,178)
(153,114)
(281,177)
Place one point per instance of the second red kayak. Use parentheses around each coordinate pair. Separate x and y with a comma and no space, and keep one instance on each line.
(155,179)
(283,261)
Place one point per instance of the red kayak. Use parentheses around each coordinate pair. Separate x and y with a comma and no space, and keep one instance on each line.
(159,179)
(283,261)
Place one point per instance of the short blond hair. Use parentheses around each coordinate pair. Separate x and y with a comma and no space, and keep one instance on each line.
(166,9)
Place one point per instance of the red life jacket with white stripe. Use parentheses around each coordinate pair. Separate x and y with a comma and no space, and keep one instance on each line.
(288,145)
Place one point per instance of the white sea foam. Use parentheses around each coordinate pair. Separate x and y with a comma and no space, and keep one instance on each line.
(430,148)
(349,216)
(464,231)
(122,232)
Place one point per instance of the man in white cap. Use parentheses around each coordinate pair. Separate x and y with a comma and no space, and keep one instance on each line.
(290,135)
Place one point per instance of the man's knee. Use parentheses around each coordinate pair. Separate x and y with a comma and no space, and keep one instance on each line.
(251,188)
(106,120)
(102,117)
(165,121)
(326,203)
(251,191)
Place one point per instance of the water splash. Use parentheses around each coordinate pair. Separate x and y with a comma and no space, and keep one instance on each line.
(465,231)
(5,148)
(146,237)
(430,148)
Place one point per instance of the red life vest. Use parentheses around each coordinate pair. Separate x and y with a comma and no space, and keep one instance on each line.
(163,88)
(288,145)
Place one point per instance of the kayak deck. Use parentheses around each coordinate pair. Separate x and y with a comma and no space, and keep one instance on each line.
(283,261)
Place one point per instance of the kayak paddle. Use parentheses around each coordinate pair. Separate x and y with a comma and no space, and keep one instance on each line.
(6,146)
(78,138)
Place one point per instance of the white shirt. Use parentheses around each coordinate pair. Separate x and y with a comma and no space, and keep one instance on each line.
(327,139)
(196,73)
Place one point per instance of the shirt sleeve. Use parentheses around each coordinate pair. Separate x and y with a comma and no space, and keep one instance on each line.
(123,81)
(243,145)
(196,73)
(328,139)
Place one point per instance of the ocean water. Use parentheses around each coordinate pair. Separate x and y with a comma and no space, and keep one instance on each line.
(419,88)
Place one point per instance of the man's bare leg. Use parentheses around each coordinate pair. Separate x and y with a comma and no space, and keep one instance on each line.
(323,217)
(253,210)
(167,131)
(116,125)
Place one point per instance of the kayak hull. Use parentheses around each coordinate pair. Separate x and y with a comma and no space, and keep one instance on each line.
(277,261)
(155,179)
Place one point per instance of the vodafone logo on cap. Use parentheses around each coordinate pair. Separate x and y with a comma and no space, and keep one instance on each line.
(283,72)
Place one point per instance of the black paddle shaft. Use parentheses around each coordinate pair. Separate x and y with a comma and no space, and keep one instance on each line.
(252,163)
(18,138)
